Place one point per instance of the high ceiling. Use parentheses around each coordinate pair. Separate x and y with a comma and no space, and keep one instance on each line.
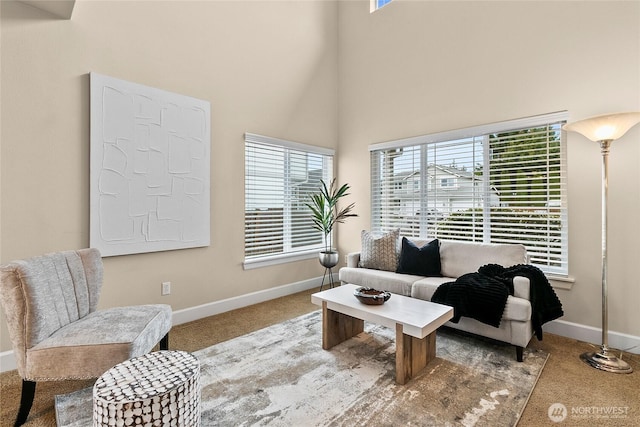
(60,8)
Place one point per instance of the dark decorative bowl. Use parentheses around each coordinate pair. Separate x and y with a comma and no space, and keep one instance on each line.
(372,296)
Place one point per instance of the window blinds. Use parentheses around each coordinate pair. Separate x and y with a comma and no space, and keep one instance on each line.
(280,176)
(501,183)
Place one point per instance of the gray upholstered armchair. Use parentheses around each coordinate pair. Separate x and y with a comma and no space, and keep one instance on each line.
(50,304)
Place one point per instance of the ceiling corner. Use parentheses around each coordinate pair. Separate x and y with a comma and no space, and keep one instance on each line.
(59,8)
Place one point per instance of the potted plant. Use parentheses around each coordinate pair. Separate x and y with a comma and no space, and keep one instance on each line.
(325,215)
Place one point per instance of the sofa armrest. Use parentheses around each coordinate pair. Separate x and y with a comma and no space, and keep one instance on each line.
(521,287)
(353,258)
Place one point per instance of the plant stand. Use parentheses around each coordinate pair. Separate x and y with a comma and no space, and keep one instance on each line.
(330,271)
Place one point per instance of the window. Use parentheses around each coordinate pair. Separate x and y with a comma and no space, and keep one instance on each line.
(377,4)
(447,182)
(279,178)
(499,183)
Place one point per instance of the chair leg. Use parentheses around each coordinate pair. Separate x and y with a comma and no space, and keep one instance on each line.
(164,342)
(519,351)
(26,400)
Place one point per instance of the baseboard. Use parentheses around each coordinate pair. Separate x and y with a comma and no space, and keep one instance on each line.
(8,362)
(217,307)
(593,335)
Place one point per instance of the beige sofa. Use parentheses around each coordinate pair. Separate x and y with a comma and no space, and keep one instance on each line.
(458,258)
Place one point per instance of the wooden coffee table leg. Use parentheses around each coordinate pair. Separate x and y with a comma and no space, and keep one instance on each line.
(412,354)
(338,327)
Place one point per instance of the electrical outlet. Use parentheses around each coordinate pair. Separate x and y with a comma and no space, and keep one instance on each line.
(166,288)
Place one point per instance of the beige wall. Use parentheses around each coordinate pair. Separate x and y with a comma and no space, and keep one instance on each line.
(418,67)
(276,68)
(266,67)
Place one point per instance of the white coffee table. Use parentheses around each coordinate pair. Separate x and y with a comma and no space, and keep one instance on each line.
(415,322)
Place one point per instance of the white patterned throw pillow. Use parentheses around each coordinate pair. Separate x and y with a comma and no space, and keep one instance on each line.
(379,250)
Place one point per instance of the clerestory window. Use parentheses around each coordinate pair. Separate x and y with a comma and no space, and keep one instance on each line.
(501,183)
(280,175)
(377,4)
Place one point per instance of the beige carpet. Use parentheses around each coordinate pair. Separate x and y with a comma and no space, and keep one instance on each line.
(281,376)
(565,379)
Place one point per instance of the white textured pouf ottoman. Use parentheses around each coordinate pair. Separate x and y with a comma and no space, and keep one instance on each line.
(158,389)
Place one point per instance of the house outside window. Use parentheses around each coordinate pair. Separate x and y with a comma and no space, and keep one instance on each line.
(498,183)
(280,176)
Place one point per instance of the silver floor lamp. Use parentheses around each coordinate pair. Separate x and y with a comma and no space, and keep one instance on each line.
(604,130)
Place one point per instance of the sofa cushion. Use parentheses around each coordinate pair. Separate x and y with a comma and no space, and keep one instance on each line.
(515,309)
(380,250)
(421,261)
(458,258)
(379,279)
(425,288)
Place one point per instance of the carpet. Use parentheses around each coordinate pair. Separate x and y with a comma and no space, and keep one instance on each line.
(281,376)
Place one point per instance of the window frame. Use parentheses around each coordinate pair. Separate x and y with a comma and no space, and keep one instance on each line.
(382,212)
(288,147)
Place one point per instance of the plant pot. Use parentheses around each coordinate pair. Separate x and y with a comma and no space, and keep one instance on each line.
(329,259)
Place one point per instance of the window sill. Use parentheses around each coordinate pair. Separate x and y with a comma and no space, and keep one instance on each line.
(250,264)
(561,282)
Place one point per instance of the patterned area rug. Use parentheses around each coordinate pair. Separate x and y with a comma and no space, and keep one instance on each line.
(281,376)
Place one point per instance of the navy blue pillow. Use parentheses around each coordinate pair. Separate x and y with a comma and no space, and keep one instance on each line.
(424,261)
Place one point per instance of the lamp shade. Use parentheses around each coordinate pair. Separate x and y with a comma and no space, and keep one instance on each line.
(608,127)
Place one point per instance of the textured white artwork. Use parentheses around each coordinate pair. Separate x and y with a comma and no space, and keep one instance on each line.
(150,154)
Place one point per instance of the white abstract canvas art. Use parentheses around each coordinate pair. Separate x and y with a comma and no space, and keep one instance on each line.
(150,152)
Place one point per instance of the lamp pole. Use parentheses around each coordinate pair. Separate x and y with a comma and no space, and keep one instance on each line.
(604,359)
(605,146)
(605,129)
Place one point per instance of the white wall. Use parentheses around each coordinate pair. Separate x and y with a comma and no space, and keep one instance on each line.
(419,67)
(276,68)
(267,67)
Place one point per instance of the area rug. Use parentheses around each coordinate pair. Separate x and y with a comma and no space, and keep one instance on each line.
(281,376)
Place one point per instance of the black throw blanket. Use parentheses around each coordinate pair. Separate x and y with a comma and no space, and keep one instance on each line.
(483,295)
(474,295)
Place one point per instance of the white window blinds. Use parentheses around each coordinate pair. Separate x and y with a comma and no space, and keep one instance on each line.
(279,178)
(500,183)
